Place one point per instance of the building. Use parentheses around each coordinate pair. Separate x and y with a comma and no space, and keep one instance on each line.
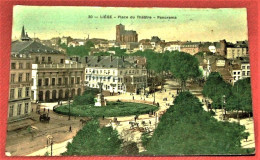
(19,87)
(245,67)
(52,82)
(236,72)
(190,47)
(39,53)
(124,36)
(173,46)
(65,40)
(118,74)
(235,52)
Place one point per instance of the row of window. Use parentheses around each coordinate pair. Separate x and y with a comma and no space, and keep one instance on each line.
(106,87)
(20,92)
(53,81)
(20,66)
(244,67)
(244,73)
(113,73)
(48,60)
(20,77)
(19,109)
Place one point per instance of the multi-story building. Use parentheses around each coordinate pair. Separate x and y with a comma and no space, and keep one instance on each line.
(234,52)
(173,46)
(52,82)
(245,67)
(118,74)
(124,36)
(190,47)
(236,72)
(19,87)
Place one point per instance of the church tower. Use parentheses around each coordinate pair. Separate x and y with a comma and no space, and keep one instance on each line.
(119,30)
(24,36)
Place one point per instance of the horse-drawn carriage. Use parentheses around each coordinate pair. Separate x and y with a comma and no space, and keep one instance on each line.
(44,118)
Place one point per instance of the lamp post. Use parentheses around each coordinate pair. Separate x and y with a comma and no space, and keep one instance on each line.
(50,141)
(223,106)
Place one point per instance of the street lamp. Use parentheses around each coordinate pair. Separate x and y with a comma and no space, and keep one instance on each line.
(50,141)
(223,106)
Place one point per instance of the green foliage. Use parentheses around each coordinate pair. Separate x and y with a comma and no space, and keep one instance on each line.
(119,52)
(146,137)
(130,149)
(102,54)
(241,98)
(215,88)
(78,50)
(93,140)
(89,44)
(84,99)
(186,129)
(113,109)
(184,66)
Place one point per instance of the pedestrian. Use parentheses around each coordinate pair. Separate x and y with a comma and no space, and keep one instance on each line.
(44,109)
(133,98)
(103,117)
(48,110)
(70,129)
(165,90)
(150,122)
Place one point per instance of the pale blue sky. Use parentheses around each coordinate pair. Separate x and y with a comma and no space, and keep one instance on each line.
(191,24)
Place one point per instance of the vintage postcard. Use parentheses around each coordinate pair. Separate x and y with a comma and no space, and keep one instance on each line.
(129,82)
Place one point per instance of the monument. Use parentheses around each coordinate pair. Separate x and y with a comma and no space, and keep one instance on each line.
(100,97)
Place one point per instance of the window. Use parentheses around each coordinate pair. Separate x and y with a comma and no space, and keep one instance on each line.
(235,72)
(61,61)
(19,109)
(12,78)
(11,93)
(20,65)
(27,91)
(238,72)
(20,78)
(39,82)
(37,59)
(59,81)
(78,80)
(248,73)
(243,73)
(66,81)
(43,59)
(46,81)
(19,92)
(243,67)
(11,111)
(27,77)
(114,79)
(248,67)
(13,66)
(72,80)
(26,108)
(49,59)
(53,81)
(28,66)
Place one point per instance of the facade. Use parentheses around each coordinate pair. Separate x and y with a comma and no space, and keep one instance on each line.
(245,67)
(118,74)
(124,36)
(173,46)
(190,47)
(52,82)
(234,52)
(19,87)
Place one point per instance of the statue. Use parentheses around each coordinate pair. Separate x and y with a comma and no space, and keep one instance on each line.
(100,97)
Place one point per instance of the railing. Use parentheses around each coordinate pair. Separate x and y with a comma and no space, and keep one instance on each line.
(39,66)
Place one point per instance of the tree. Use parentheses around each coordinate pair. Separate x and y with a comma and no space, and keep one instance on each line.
(241,98)
(184,66)
(130,148)
(93,140)
(215,88)
(186,129)
(84,99)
